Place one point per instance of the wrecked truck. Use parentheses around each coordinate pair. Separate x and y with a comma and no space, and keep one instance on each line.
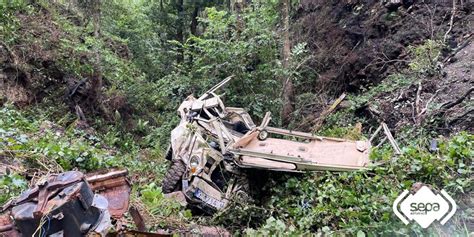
(214,147)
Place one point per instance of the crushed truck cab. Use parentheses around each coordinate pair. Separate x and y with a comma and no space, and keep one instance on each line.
(214,146)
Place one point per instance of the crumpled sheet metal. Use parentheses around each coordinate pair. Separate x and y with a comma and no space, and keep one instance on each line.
(115,187)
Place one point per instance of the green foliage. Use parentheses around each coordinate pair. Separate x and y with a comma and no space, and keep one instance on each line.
(70,148)
(274,227)
(391,83)
(341,132)
(11,186)
(250,54)
(425,56)
(157,204)
(9,23)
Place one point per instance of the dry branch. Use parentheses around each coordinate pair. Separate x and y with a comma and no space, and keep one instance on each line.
(417,100)
(451,104)
(327,111)
(428,103)
(451,21)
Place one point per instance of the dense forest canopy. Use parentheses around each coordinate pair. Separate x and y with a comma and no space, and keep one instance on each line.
(90,84)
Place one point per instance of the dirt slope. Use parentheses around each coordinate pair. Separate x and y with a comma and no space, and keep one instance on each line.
(440,103)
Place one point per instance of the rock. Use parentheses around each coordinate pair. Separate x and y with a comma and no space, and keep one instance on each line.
(177,196)
(392,5)
(51,127)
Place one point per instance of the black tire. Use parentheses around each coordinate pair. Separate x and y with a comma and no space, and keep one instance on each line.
(173,176)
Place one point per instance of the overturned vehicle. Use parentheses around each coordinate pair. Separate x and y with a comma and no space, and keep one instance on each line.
(214,147)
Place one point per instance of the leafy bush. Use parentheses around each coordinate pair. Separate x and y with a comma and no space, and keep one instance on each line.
(11,185)
(425,56)
(157,204)
(70,148)
(274,227)
(251,55)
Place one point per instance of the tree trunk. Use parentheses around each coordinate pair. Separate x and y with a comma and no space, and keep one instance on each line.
(193,28)
(239,6)
(97,78)
(194,20)
(287,83)
(180,29)
(229,5)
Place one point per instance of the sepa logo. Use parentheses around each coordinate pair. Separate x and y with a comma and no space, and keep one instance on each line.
(424,207)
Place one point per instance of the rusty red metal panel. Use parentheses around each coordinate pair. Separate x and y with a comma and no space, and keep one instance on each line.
(115,187)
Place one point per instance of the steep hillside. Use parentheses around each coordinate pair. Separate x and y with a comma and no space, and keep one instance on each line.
(383,51)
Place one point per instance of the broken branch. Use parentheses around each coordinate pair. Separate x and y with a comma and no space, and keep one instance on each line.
(451,21)
(428,103)
(451,104)
(326,112)
(417,100)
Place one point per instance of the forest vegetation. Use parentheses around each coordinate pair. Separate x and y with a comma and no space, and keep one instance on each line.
(88,85)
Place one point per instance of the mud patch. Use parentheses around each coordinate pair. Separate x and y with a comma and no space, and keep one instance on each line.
(13,92)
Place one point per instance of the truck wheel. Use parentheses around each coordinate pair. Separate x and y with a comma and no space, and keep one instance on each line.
(242,190)
(172,177)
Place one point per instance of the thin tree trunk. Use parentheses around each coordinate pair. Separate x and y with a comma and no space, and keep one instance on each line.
(194,20)
(287,83)
(193,28)
(97,78)
(180,29)
(239,6)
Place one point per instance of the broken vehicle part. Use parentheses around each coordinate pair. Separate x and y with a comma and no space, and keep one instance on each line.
(214,146)
(62,203)
(68,204)
(115,187)
(69,210)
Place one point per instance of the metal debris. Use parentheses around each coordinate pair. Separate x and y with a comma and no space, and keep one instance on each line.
(115,187)
(74,204)
(7,226)
(68,204)
(59,205)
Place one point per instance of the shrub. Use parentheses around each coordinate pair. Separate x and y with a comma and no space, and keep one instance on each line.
(425,56)
(11,185)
